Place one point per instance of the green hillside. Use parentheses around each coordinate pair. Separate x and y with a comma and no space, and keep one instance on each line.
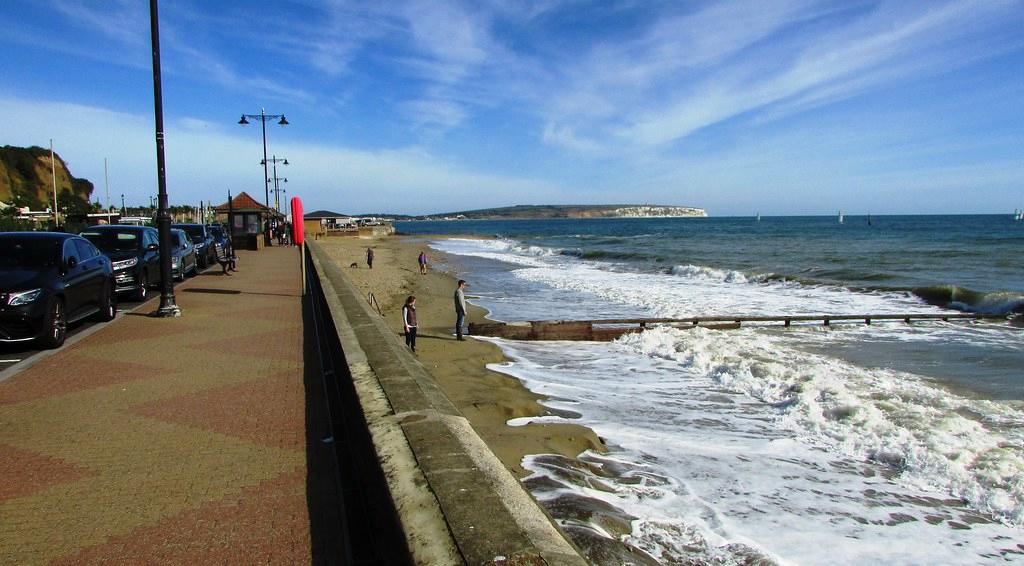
(26,180)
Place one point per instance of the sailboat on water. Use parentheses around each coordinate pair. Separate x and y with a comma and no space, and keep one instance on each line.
(758,216)
(840,216)
(1018,215)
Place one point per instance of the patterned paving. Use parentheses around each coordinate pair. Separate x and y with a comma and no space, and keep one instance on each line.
(169,441)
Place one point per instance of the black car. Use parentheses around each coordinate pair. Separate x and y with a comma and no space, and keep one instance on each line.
(202,239)
(183,255)
(134,252)
(220,236)
(49,280)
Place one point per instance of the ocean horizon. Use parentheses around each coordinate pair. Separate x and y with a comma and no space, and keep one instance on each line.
(891,442)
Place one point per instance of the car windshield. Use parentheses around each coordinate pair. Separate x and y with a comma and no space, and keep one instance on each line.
(29,253)
(195,232)
(113,241)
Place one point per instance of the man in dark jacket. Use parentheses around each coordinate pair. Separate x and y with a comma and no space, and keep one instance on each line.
(460,308)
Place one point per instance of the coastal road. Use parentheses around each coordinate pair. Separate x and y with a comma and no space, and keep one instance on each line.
(21,355)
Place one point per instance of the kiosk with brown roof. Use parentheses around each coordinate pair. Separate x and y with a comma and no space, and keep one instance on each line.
(246,219)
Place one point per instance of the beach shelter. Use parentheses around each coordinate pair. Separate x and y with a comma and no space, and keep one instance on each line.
(248,221)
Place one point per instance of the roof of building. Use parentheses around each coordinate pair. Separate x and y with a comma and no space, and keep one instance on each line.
(318,214)
(245,203)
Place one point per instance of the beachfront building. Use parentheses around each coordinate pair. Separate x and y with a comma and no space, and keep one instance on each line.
(247,220)
(321,223)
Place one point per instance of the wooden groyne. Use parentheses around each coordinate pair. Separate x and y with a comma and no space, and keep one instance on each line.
(610,329)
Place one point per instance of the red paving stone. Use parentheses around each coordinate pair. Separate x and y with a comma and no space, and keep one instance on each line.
(264,527)
(254,345)
(23,473)
(197,458)
(77,371)
(240,410)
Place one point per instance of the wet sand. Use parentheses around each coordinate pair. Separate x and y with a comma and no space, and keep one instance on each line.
(487,398)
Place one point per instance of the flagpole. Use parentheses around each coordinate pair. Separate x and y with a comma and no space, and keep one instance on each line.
(53,173)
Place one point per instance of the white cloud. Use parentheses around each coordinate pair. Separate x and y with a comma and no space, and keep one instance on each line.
(692,71)
(438,113)
(205,160)
(564,136)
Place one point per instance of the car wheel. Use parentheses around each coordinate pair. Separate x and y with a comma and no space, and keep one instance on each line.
(55,325)
(140,293)
(108,304)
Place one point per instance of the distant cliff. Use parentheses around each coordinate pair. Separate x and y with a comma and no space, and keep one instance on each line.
(578,211)
(26,180)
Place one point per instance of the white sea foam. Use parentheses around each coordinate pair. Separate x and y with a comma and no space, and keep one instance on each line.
(760,440)
(709,273)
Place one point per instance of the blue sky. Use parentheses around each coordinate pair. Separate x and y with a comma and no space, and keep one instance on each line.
(777,107)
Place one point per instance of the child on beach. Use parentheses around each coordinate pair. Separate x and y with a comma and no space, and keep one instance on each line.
(369,257)
(423,263)
(409,320)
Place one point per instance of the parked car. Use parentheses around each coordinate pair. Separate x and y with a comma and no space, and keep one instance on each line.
(183,255)
(134,252)
(202,240)
(49,280)
(220,236)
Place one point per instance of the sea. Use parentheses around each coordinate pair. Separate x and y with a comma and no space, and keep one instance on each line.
(841,444)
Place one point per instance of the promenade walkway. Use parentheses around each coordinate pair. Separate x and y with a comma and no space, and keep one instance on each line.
(169,441)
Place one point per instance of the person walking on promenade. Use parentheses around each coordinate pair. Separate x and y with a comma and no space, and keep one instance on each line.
(460,308)
(409,320)
(423,263)
(369,257)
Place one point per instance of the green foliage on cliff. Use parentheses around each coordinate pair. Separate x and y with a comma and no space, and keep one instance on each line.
(26,180)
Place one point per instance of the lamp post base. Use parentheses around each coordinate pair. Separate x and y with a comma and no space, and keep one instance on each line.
(166,312)
(168,309)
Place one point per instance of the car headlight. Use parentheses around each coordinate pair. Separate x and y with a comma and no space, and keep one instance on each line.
(175,261)
(125,263)
(200,245)
(23,297)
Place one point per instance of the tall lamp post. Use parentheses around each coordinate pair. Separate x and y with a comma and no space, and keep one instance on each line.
(263,117)
(277,199)
(168,305)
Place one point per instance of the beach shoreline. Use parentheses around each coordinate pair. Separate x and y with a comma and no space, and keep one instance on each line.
(488,399)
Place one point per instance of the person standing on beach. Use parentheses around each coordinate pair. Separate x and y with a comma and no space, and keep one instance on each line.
(369,257)
(409,320)
(460,308)
(423,263)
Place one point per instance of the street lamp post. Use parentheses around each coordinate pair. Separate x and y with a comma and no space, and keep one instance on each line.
(168,305)
(277,191)
(263,117)
(124,212)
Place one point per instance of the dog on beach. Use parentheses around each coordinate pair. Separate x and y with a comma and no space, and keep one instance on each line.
(354,264)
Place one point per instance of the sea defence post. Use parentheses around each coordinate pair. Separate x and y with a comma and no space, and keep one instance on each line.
(610,329)
(453,499)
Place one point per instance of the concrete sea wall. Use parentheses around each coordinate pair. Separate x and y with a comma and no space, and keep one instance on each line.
(455,500)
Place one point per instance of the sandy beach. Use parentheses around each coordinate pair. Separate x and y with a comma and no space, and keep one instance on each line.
(487,398)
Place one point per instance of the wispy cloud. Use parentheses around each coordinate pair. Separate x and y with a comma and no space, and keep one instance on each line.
(694,71)
(125,21)
(206,159)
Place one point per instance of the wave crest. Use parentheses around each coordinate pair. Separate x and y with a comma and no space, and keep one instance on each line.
(963,299)
(702,272)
